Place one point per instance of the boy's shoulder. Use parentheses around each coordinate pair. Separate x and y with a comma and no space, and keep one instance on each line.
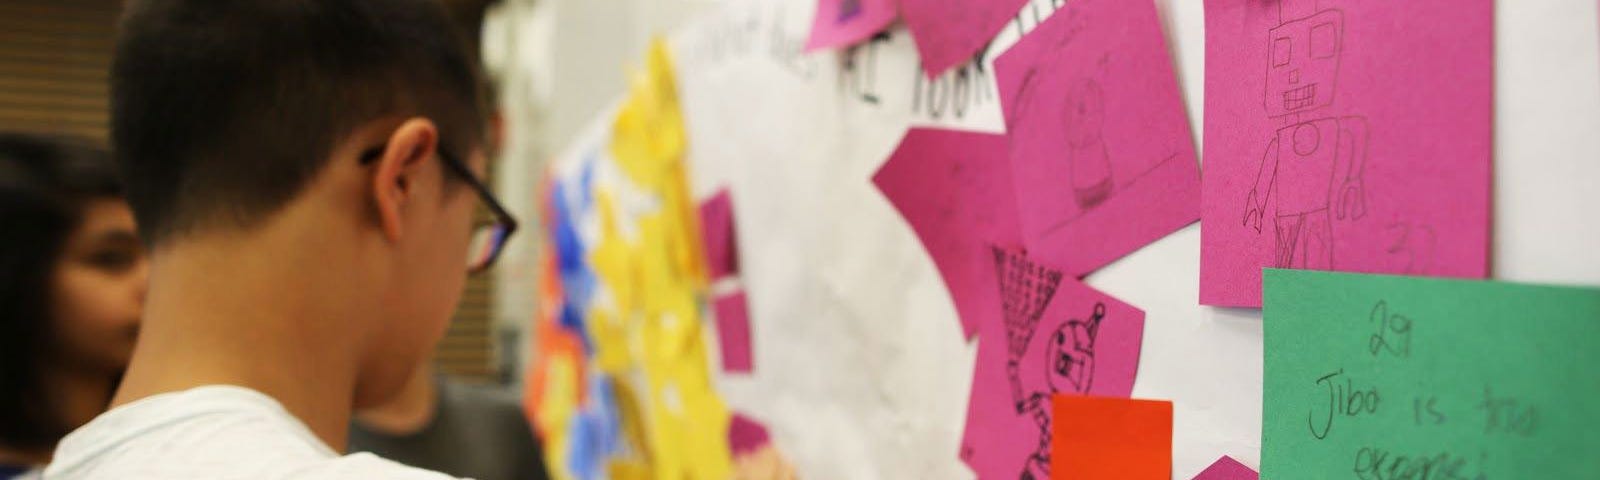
(210,432)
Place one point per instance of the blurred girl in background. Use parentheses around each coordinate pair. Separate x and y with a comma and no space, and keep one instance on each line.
(72,284)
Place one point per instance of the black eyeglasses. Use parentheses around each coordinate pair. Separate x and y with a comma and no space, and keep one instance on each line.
(488,236)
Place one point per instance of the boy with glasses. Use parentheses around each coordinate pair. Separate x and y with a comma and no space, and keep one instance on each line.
(306,174)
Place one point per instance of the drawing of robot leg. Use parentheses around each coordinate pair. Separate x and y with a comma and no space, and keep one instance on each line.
(1287,230)
(1316,241)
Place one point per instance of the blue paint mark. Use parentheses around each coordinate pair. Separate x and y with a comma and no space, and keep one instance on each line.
(605,419)
(583,458)
(595,433)
(572,320)
(577,279)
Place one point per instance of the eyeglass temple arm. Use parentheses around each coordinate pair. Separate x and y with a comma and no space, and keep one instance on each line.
(461,170)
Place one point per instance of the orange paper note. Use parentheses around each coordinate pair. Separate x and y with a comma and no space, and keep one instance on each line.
(1111,438)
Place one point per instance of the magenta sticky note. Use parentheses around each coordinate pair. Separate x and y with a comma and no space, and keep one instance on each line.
(954,188)
(949,32)
(1349,135)
(717,231)
(1101,148)
(1226,468)
(733,332)
(1057,336)
(746,435)
(840,23)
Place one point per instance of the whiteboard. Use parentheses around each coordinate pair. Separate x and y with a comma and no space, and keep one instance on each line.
(861,371)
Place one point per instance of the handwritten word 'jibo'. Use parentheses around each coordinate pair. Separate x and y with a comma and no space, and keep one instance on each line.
(1343,400)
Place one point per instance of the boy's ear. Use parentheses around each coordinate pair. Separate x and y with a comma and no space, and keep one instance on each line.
(394,178)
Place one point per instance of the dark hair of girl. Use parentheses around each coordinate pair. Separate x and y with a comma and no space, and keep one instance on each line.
(44,185)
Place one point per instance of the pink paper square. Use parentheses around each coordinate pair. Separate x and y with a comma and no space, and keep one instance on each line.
(733,332)
(1057,336)
(949,32)
(1100,145)
(954,188)
(746,435)
(717,231)
(841,23)
(1226,468)
(1349,135)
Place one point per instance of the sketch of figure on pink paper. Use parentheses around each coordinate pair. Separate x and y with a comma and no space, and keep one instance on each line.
(1310,147)
(1102,157)
(1345,135)
(1084,116)
(1027,288)
(1056,336)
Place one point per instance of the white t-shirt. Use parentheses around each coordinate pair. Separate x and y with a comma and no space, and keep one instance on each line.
(211,432)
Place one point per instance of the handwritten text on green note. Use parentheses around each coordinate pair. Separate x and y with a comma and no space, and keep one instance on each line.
(1390,378)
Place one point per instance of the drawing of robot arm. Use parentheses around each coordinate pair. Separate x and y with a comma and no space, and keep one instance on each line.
(1023,403)
(1255,206)
(1037,469)
(1038,465)
(1350,194)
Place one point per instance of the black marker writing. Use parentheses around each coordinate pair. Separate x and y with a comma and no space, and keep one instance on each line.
(1342,400)
(1507,415)
(1393,334)
(1426,410)
(858,74)
(1415,244)
(956,92)
(1373,463)
(1031,13)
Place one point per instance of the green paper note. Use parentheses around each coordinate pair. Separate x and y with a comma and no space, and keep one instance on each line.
(1384,377)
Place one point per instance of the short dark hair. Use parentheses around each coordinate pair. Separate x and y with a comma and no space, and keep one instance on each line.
(222,111)
(45,183)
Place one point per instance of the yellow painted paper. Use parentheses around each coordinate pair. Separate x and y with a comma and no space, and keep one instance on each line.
(643,324)
(648,135)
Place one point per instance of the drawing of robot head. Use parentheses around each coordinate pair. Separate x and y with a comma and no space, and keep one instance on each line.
(1084,113)
(1071,356)
(1303,62)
